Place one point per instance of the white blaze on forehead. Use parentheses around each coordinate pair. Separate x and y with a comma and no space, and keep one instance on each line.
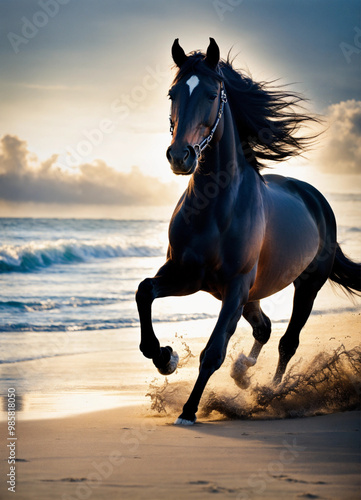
(192,83)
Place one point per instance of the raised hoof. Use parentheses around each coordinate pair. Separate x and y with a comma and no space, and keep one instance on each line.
(243,383)
(171,365)
(239,369)
(183,421)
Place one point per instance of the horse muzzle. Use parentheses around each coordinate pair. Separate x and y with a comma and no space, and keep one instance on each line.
(182,161)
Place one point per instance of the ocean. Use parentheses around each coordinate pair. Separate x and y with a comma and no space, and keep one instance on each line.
(67,291)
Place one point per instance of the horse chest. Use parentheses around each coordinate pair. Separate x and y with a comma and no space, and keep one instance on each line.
(221,252)
(190,247)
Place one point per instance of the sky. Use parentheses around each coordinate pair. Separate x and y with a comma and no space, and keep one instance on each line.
(83,93)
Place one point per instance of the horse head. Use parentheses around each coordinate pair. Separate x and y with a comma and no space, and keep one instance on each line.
(197,97)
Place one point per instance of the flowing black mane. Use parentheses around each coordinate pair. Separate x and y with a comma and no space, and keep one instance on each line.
(268,120)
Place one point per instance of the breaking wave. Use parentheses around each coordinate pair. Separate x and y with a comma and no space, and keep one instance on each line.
(33,256)
(330,383)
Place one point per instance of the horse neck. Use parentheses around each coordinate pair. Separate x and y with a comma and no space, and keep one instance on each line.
(224,167)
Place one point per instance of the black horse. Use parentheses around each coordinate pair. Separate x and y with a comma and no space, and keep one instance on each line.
(234,233)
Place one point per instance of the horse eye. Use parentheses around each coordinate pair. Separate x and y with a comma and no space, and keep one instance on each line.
(213,97)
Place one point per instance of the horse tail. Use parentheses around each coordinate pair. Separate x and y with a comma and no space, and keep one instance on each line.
(346,273)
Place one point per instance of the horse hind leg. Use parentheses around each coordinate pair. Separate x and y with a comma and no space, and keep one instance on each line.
(306,289)
(261,325)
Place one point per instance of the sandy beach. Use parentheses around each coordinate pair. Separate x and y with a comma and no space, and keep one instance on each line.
(136,452)
(123,453)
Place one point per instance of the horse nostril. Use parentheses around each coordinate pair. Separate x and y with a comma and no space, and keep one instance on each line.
(168,154)
(182,159)
(193,151)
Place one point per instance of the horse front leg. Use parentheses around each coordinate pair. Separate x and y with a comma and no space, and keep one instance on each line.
(170,280)
(214,353)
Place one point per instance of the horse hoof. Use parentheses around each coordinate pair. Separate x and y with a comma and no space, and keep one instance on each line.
(171,366)
(242,383)
(183,421)
(239,369)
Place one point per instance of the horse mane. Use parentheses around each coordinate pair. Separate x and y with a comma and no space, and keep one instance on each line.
(268,119)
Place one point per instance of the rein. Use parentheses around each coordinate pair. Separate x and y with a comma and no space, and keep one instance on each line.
(205,142)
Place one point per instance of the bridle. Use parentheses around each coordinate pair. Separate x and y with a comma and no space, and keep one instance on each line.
(198,148)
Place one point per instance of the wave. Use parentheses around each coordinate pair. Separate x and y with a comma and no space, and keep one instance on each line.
(33,256)
(353,197)
(353,229)
(349,229)
(39,357)
(322,312)
(96,324)
(52,304)
(70,326)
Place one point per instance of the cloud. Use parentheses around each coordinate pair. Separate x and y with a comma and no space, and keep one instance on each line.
(341,151)
(23,178)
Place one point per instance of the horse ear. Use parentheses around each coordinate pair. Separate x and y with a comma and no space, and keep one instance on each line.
(178,53)
(212,57)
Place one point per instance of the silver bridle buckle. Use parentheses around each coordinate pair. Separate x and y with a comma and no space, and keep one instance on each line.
(197,150)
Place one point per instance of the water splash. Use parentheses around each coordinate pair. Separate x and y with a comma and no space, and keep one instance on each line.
(188,355)
(329,383)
